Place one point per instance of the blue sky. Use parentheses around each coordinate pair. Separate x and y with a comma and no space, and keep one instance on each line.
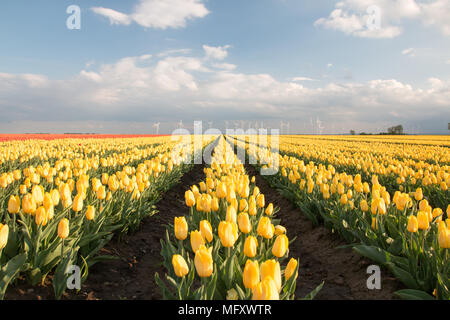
(314,64)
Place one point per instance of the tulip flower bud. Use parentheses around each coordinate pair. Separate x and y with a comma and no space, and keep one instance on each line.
(221,191)
(189,198)
(271,268)
(244,223)
(344,199)
(418,195)
(250,246)
(90,213)
(279,230)
(179,266)
(227,233)
(38,194)
(280,246)
(266,290)
(41,216)
(77,203)
(55,197)
(444,238)
(14,204)
(422,219)
(290,269)
(29,205)
(4,233)
(215,204)
(251,274)
(243,205)
(196,240)
(260,201)
(364,206)
(269,209)
(203,262)
(181,228)
(206,230)
(63,228)
(231,214)
(23,189)
(264,228)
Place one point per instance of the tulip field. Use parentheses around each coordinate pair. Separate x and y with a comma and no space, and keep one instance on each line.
(65,201)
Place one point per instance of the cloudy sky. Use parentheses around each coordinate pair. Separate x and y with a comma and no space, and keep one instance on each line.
(308,66)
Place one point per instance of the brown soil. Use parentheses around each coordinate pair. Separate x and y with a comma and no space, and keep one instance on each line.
(343,270)
(132,276)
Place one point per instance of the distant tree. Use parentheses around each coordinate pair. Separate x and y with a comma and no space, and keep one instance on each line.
(395,130)
(352,132)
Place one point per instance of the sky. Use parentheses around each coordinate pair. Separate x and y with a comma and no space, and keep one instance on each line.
(151,66)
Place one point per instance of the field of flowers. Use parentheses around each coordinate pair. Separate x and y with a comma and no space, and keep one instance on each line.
(388,197)
(62,200)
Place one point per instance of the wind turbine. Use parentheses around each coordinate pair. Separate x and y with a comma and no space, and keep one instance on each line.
(156,125)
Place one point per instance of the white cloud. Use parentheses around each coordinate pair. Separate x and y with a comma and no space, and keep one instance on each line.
(217,53)
(174,51)
(224,66)
(411,52)
(143,88)
(354,17)
(302,79)
(158,14)
(437,13)
(114,17)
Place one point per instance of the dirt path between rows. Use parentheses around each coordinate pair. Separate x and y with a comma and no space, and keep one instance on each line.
(343,270)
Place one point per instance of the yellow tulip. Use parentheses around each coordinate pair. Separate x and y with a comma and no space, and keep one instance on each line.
(364,206)
(181,228)
(90,213)
(55,197)
(418,195)
(63,228)
(244,223)
(269,209)
(271,268)
(243,205)
(221,191)
(189,198)
(251,274)
(77,203)
(268,290)
(279,230)
(444,238)
(14,204)
(203,262)
(227,233)
(179,265)
(280,246)
(38,194)
(29,205)
(206,230)
(231,214)
(196,240)
(41,218)
(422,219)
(215,204)
(4,233)
(101,193)
(290,269)
(264,228)
(260,201)
(250,246)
